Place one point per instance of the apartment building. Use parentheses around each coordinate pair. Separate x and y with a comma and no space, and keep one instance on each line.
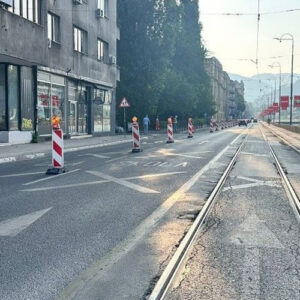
(57,58)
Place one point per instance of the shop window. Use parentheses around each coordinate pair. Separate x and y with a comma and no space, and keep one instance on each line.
(27,99)
(2,99)
(13,97)
(51,101)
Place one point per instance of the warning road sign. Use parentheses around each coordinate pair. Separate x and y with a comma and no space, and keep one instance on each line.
(124,103)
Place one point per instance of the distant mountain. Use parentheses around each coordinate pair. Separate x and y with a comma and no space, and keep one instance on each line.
(258,85)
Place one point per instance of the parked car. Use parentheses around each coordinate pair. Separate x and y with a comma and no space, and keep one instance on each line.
(119,129)
(243,122)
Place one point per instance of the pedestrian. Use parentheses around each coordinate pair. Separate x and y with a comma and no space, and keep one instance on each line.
(175,123)
(146,123)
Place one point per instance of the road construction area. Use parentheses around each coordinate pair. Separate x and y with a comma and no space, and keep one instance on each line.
(109,226)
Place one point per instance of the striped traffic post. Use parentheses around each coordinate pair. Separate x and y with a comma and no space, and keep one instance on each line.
(170,132)
(136,136)
(190,128)
(217,126)
(211,126)
(57,148)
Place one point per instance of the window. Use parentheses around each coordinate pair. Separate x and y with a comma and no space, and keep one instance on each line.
(2,99)
(28,9)
(103,5)
(80,40)
(13,97)
(53,28)
(102,51)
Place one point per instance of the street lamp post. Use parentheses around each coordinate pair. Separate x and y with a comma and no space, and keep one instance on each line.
(290,37)
(278,64)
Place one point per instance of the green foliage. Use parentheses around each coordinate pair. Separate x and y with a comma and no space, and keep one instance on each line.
(162,59)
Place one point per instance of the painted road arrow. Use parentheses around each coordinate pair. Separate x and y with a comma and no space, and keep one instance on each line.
(14,226)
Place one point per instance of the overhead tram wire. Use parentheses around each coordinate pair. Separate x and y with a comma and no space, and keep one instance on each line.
(240,14)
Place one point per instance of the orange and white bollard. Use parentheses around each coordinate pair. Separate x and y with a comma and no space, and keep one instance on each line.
(190,128)
(136,136)
(57,148)
(170,132)
(222,125)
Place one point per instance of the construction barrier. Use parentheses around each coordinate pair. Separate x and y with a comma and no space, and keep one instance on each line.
(57,148)
(211,126)
(136,136)
(170,132)
(190,128)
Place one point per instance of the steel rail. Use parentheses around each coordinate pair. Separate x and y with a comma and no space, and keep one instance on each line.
(164,282)
(285,179)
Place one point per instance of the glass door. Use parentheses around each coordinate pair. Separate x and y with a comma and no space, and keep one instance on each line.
(73,117)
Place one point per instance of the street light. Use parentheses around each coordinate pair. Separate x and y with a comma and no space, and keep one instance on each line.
(290,37)
(278,64)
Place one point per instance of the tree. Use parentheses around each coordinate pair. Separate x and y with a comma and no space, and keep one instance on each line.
(162,59)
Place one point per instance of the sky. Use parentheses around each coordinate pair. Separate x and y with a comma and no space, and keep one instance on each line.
(233,38)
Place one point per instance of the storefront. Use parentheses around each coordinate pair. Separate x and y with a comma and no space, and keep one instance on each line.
(29,99)
(16,103)
(51,94)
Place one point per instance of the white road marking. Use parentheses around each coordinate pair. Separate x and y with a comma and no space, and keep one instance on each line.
(255,183)
(159,142)
(250,185)
(183,164)
(21,174)
(36,155)
(50,177)
(13,226)
(7,159)
(95,155)
(124,183)
(100,182)
(203,142)
(252,235)
(255,154)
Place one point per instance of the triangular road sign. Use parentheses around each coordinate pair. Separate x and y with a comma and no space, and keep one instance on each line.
(124,103)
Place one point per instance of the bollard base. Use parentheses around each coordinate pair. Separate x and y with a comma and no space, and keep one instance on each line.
(170,142)
(190,136)
(137,150)
(55,171)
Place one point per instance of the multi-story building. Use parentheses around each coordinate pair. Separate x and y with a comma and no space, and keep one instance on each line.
(57,58)
(225,92)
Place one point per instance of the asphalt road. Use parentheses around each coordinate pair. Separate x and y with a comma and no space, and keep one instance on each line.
(249,248)
(54,228)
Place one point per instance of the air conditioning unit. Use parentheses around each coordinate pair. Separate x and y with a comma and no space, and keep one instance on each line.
(49,43)
(113,60)
(100,13)
(78,2)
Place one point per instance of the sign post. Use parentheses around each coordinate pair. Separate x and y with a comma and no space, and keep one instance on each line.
(124,104)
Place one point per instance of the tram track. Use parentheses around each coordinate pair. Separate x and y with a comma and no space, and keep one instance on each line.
(181,255)
(177,261)
(295,201)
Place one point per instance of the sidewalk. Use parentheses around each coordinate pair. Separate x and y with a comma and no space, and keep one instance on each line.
(291,137)
(11,153)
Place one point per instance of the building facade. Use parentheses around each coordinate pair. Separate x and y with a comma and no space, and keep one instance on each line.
(225,92)
(57,58)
